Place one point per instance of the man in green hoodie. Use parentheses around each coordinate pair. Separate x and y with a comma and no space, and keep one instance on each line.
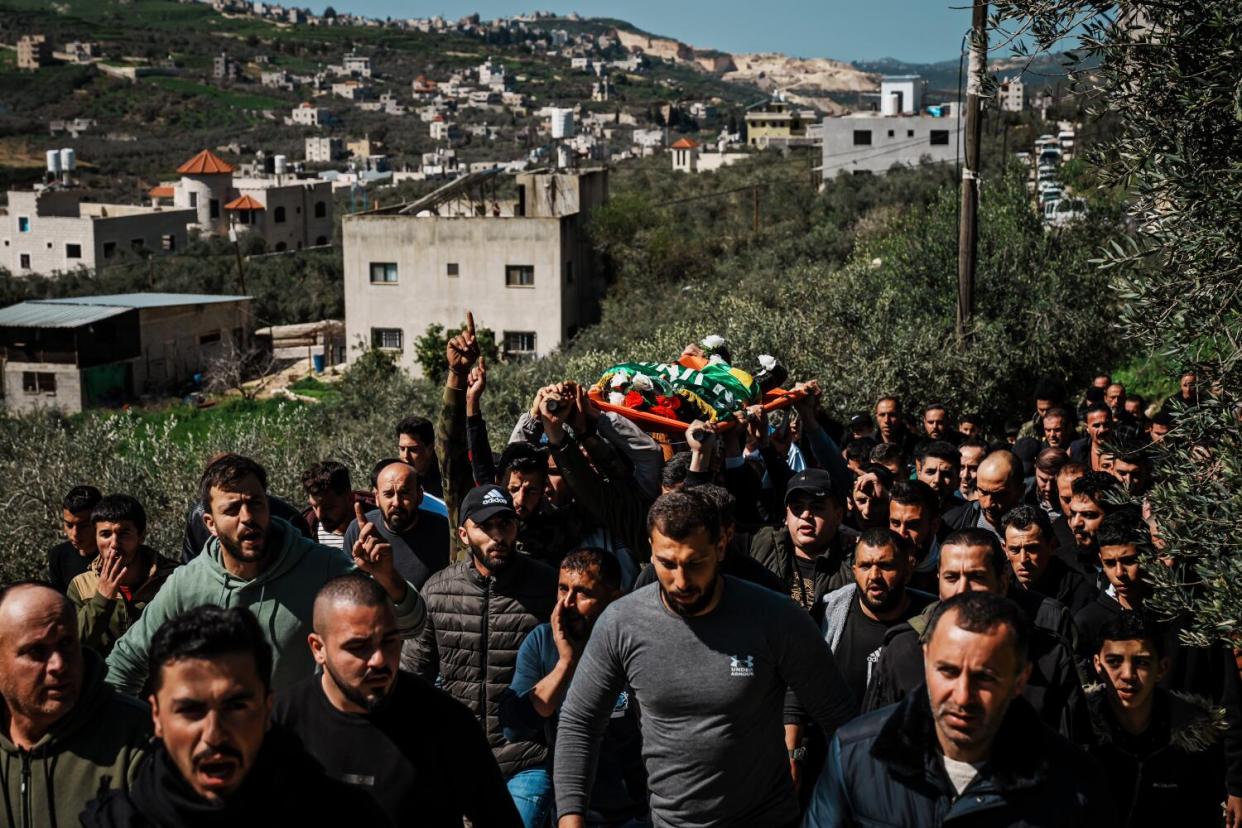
(65,735)
(260,562)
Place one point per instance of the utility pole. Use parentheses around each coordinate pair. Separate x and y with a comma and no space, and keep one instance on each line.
(968,229)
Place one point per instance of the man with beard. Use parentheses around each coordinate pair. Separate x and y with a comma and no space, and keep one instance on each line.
(1057,429)
(891,425)
(707,659)
(857,616)
(999,487)
(970,453)
(478,612)
(965,747)
(215,761)
(1089,450)
(414,749)
(544,532)
(259,561)
(64,733)
(419,539)
(590,580)
(914,518)
(936,422)
(1090,501)
(1026,534)
(937,463)
(330,502)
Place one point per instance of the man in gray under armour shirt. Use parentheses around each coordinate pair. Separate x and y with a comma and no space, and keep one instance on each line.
(707,658)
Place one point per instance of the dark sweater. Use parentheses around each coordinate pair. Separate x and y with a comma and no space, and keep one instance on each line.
(419,552)
(64,563)
(421,755)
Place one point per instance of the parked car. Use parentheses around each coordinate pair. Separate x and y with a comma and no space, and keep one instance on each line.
(1064,211)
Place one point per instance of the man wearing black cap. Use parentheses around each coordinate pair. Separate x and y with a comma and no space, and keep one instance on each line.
(478,612)
(806,553)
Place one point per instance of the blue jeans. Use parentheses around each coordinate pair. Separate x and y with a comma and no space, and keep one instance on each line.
(532,794)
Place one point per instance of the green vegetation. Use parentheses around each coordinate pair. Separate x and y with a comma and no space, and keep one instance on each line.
(241,100)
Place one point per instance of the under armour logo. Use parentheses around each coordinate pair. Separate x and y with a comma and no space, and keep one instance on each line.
(742,665)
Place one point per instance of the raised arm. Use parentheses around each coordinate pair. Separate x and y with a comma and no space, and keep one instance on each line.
(451,446)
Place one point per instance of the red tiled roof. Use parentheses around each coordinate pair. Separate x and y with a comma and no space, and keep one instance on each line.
(206,163)
(244,203)
(685,143)
(162,191)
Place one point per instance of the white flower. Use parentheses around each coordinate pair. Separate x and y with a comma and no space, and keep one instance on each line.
(642,382)
(616,398)
(619,380)
(712,342)
(767,361)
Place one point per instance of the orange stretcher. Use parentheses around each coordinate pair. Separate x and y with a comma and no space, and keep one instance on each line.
(773,400)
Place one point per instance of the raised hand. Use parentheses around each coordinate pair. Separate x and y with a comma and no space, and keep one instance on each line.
(757,426)
(462,351)
(111,573)
(700,436)
(566,647)
(476,384)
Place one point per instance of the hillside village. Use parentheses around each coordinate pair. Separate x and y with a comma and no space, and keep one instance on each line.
(282,130)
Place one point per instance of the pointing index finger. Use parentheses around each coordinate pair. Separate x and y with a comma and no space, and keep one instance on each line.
(362,518)
(470,323)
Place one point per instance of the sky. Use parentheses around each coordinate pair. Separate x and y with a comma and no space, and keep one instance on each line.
(915,31)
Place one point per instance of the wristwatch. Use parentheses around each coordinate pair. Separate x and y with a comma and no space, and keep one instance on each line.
(797,754)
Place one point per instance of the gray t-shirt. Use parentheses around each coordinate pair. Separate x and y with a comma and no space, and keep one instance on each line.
(710,692)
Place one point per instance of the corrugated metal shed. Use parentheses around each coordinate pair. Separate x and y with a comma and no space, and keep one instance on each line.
(46,315)
(83,310)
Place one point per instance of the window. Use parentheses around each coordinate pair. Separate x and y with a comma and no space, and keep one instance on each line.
(321,209)
(215,208)
(384,273)
(890,133)
(24,261)
(136,245)
(862,137)
(320,241)
(452,269)
(109,250)
(388,339)
(569,273)
(909,133)
(520,343)
(279,216)
(193,199)
(519,275)
(73,251)
(23,224)
(280,247)
(243,216)
(168,243)
(939,137)
(209,338)
(38,382)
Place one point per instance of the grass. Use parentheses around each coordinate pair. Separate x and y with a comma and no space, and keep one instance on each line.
(308,386)
(239,100)
(193,422)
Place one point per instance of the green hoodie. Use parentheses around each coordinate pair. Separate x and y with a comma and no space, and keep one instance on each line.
(98,745)
(281,597)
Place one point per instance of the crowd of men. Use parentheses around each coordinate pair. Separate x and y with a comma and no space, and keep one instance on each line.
(773,621)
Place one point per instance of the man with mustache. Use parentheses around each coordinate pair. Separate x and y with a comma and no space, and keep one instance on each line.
(478,612)
(964,746)
(999,487)
(216,762)
(64,733)
(419,538)
(409,746)
(258,561)
(1026,534)
(707,659)
(589,580)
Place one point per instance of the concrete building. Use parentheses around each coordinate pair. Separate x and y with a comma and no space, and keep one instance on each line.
(777,122)
(225,68)
(901,94)
(1012,94)
(56,229)
(442,130)
(873,142)
(525,268)
(357,65)
(324,150)
(352,90)
(71,354)
(307,114)
(288,212)
(685,155)
(33,51)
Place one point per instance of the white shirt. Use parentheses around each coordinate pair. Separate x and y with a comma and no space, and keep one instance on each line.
(960,774)
(333,539)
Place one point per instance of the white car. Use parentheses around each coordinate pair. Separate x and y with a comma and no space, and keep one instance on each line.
(1064,211)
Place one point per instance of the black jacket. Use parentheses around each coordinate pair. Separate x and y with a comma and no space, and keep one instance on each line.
(1054,689)
(886,769)
(284,787)
(963,516)
(1174,773)
(1067,585)
(773,548)
(475,626)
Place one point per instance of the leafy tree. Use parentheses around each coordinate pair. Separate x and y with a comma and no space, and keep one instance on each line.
(429,350)
(1169,74)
